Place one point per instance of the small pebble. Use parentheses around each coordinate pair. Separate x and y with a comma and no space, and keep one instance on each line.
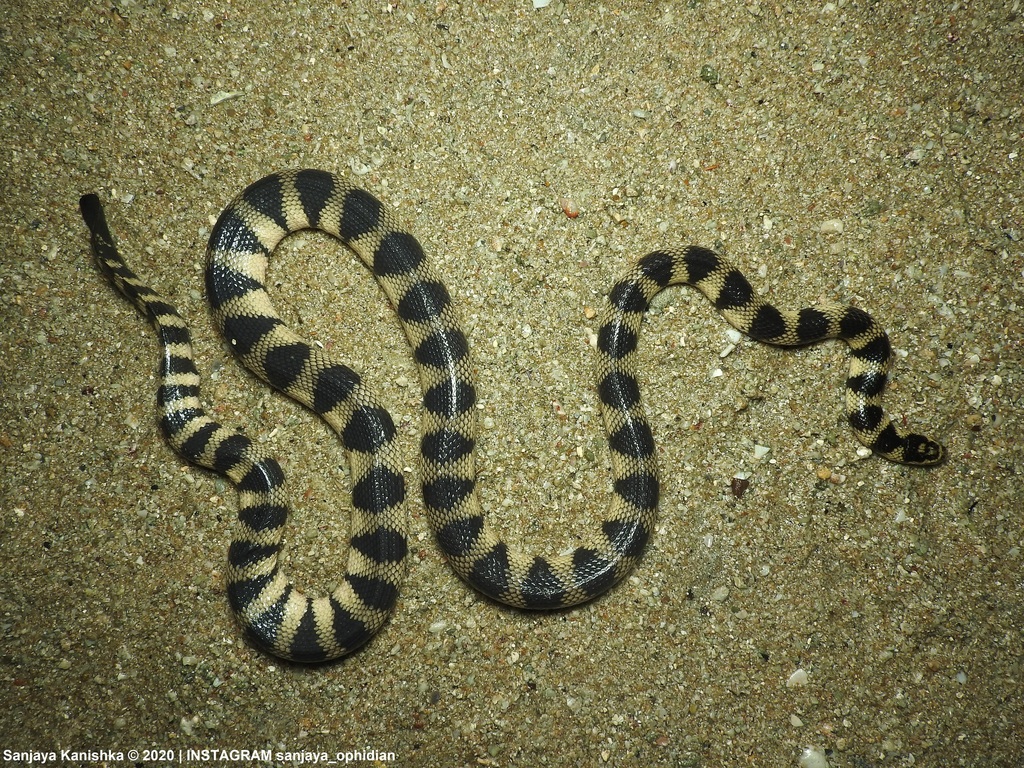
(709,74)
(831,227)
(915,156)
(739,486)
(720,594)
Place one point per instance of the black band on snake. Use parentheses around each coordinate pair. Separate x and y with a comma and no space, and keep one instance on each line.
(279,618)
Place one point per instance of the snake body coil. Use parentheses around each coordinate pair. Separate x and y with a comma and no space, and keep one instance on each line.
(281,619)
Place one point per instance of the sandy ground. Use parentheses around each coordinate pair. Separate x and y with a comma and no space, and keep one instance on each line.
(843,152)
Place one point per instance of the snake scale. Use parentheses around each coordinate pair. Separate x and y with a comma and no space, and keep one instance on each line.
(285,622)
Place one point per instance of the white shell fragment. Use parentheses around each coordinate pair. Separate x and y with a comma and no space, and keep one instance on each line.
(813,757)
(797,680)
(220,96)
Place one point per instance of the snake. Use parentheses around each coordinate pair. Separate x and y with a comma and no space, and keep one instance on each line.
(285,622)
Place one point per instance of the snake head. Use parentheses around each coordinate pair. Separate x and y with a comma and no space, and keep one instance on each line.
(920,450)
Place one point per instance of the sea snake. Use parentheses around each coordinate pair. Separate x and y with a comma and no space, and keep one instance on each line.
(282,620)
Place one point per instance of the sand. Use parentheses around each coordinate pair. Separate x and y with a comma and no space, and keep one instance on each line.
(842,611)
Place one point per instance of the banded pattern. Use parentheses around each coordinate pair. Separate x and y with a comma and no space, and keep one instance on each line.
(733,296)
(242,240)
(276,616)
